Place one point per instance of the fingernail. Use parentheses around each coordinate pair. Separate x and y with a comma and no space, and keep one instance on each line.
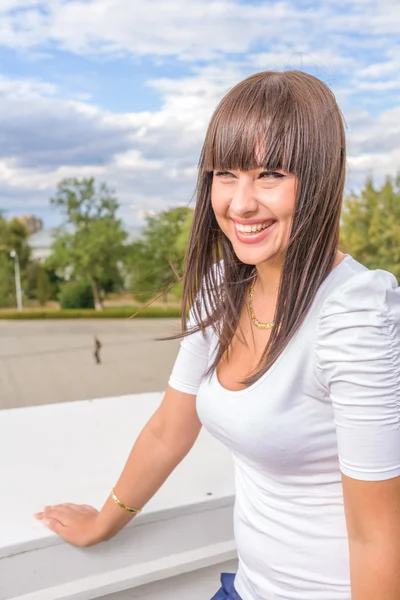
(46,522)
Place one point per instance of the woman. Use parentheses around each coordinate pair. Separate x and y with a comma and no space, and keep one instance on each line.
(291,358)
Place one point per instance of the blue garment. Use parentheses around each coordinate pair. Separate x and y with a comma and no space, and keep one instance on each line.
(227,592)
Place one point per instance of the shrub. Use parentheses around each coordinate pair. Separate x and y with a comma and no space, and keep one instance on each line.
(76,294)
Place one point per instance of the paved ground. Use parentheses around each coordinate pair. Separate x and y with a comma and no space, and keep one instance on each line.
(43,362)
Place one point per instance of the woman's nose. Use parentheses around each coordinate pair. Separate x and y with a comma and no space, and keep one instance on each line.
(243,199)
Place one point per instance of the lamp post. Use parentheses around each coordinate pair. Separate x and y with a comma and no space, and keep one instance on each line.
(18,290)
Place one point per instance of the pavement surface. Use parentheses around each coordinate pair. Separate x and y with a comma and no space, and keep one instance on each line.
(44,362)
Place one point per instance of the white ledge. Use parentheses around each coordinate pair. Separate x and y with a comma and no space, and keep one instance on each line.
(137,575)
(74,452)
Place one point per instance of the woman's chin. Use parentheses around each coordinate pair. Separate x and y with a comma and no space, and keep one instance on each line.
(251,255)
(254,257)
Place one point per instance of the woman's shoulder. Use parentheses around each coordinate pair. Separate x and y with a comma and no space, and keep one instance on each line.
(360,312)
(357,288)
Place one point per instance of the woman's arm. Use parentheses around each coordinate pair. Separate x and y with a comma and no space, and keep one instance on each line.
(358,356)
(163,443)
(373,523)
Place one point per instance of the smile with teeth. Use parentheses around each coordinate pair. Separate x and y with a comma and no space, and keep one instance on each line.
(252,229)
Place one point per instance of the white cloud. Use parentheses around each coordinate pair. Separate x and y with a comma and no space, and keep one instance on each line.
(40,129)
(189,29)
(191,100)
(41,179)
(6,5)
(373,146)
(376,165)
(149,158)
(379,70)
(363,17)
(380,86)
(20,89)
(134,159)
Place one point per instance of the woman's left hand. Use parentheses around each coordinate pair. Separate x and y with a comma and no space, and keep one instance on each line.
(77,524)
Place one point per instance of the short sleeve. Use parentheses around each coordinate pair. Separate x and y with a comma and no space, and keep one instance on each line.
(192,361)
(195,351)
(358,361)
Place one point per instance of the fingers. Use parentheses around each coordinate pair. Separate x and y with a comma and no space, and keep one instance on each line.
(58,514)
(54,525)
(81,508)
(67,508)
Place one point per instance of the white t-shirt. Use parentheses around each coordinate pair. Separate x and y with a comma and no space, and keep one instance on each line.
(330,403)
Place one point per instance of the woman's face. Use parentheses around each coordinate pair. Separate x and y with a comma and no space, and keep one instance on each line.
(255,209)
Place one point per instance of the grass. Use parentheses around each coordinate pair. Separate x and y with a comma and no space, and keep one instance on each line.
(155,312)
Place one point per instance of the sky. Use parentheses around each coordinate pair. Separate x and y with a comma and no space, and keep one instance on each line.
(122,90)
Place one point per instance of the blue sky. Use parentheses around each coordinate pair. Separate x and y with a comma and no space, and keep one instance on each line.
(123,90)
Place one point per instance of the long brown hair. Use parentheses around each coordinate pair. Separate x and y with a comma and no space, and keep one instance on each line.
(292,119)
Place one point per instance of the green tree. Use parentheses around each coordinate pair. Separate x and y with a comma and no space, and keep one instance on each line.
(13,236)
(182,240)
(91,240)
(43,282)
(155,261)
(55,281)
(43,285)
(370,229)
(7,284)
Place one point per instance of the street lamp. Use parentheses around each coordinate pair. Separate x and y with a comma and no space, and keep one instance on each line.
(18,291)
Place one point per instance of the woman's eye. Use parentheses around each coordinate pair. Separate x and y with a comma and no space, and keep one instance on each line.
(271,175)
(223,174)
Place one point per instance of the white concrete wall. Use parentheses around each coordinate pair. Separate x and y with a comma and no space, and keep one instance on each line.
(74,452)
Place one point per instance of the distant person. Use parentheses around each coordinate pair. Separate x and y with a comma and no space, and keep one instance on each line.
(97,347)
(290,358)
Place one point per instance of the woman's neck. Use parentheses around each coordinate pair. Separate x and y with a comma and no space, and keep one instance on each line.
(269,275)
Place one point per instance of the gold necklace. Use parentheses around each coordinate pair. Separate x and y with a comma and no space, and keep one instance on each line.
(254,319)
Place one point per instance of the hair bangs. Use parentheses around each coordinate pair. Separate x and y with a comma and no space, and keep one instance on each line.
(258,131)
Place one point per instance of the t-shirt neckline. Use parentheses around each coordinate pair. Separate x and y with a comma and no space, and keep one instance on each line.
(214,377)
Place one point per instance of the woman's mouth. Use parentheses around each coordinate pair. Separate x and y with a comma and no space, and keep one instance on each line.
(254,233)
(254,228)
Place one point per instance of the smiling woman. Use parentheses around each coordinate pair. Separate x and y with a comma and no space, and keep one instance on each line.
(265,159)
(290,357)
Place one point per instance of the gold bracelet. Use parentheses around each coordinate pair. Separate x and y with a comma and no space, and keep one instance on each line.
(122,505)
